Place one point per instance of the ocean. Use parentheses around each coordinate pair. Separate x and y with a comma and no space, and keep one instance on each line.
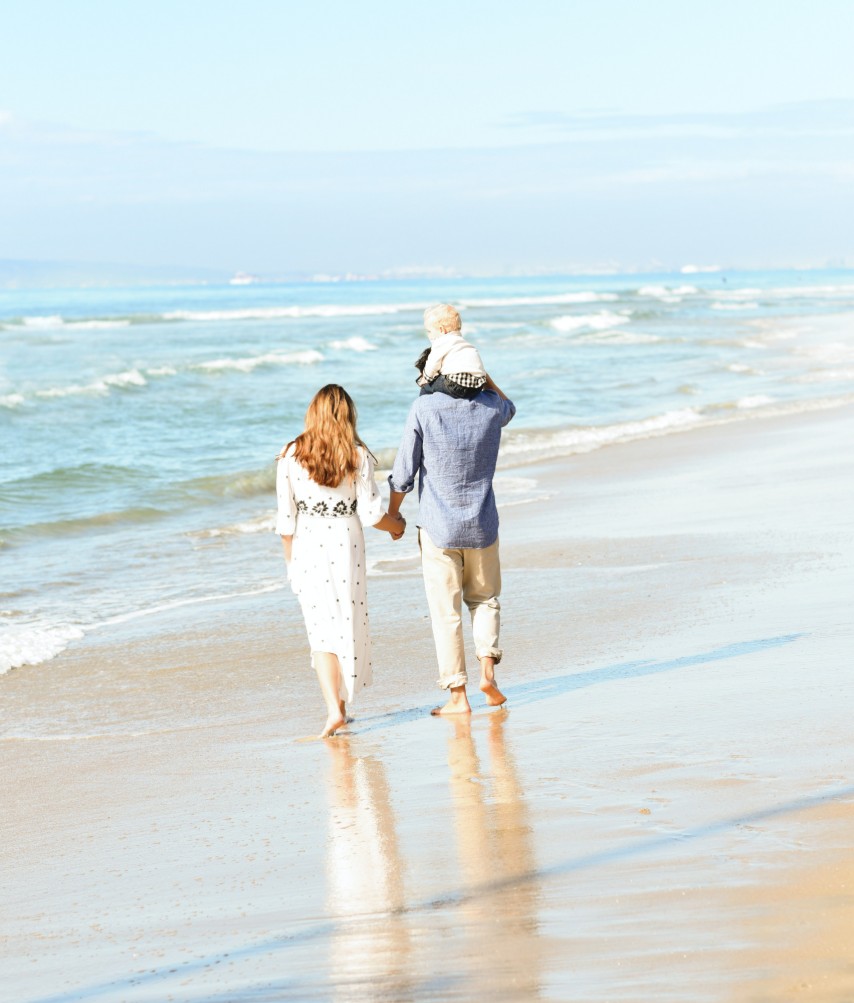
(140,425)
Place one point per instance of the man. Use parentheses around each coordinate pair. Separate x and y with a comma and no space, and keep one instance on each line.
(450,445)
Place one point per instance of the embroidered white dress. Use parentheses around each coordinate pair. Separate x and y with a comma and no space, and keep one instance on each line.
(327,569)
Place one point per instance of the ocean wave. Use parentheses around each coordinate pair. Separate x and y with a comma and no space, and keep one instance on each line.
(596,322)
(746,305)
(617,337)
(666,294)
(12,401)
(294,312)
(58,480)
(121,381)
(82,524)
(354,344)
(244,484)
(250,363)
(526,446)
(552,300)
(55,322)
(260,524)
(826,376)
(31,645)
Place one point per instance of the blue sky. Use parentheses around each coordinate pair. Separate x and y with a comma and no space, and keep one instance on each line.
(284,138)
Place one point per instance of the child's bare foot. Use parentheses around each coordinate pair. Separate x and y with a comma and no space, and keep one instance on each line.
(458,703)
(488,686)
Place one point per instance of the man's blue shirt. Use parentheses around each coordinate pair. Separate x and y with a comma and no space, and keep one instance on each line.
(451,446)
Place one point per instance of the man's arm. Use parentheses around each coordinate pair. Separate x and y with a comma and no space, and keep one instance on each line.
(407,462)
(491,385)
(395,500)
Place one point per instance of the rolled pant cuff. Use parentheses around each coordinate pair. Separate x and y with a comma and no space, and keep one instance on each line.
(495,653)
(460,679)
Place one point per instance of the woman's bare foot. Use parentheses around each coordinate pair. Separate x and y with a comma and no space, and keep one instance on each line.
(488,686)
(457,704)
(348,718)
(333,723)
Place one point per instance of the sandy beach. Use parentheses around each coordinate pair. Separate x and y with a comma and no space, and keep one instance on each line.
(664,812)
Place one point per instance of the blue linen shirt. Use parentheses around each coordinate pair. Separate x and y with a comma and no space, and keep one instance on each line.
(451,446)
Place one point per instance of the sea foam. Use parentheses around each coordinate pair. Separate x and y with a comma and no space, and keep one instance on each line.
(596,322)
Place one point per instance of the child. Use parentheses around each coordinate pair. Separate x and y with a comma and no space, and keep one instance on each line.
(453,365)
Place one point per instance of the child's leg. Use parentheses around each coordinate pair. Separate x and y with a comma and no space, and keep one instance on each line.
(439,385)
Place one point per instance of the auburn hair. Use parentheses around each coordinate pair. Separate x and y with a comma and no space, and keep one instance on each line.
(327,449)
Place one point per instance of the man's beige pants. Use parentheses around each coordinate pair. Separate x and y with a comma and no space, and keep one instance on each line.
(453,576)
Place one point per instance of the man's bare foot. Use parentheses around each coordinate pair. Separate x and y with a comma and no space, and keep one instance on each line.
(488,686)
(458,703)
(333,723)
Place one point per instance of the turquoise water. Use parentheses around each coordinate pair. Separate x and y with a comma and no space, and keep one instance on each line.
(139,426)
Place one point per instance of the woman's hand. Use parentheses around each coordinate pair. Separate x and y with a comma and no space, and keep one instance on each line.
(396,534)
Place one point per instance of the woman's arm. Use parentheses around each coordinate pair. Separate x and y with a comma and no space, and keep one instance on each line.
(394,524)
(288,543)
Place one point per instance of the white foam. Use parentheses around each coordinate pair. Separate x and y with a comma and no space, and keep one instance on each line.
(756,400)
(162,371)
(827,376)
(292,312)
(557,299)
(30,645)
(614,337)
(830,353)
(12,400)
(247,365)
(747,305)
(48,322)
(179,603)
(586,439)
(524,446)
(260,524)
(354,344)
(129,378)
(596,322)
(666,294)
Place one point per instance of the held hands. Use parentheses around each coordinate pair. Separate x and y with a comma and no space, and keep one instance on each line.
(397,533)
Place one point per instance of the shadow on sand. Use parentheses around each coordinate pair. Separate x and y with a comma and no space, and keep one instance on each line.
(519,695)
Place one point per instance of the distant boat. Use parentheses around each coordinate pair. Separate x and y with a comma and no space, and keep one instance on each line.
(242,279)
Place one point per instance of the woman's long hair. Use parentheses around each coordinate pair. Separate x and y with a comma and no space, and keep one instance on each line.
(327,447)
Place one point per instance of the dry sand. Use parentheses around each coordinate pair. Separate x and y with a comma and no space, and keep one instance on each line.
(665,812)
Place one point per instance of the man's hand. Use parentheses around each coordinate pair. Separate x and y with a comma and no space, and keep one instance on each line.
(397,534)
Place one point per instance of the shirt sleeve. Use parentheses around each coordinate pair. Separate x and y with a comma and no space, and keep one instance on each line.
(369,504)
(433,365)
(286,515)
(408,460)
(508,409)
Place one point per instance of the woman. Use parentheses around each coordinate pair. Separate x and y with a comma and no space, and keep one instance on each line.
(326,491)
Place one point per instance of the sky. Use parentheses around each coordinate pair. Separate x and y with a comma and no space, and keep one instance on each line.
(285,138)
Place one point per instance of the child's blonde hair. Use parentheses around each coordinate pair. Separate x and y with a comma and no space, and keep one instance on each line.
(441,318)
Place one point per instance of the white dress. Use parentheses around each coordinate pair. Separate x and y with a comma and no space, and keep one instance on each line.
(327,569)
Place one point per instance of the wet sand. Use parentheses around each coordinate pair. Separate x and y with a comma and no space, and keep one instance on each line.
(665,811)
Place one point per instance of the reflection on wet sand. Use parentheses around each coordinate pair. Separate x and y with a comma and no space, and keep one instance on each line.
(370,948)
(499,952)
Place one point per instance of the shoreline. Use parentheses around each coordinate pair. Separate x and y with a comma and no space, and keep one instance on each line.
(673,770)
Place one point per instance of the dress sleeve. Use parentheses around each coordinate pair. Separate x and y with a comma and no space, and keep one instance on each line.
(369,504)
(287,511)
